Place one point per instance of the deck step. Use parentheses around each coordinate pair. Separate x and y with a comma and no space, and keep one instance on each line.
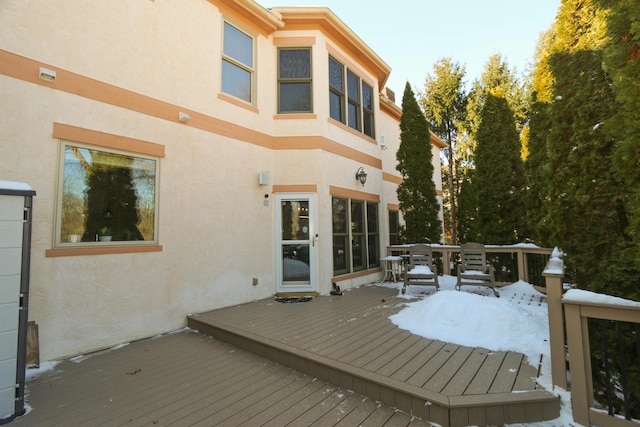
(439,382)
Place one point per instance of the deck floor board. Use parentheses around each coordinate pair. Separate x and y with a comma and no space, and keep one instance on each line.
(191,378)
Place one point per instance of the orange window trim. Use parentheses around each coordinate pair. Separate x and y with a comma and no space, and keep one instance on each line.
(356,274)
(104,250)
(301,188)
(73,133)
(353,194)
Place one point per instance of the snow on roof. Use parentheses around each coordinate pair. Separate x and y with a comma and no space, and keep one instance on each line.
(16,186)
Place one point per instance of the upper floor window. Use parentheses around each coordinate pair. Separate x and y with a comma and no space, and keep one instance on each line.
(336,90)
(237,63)
(294,80)
(107,196)
(353,106)
(367,110)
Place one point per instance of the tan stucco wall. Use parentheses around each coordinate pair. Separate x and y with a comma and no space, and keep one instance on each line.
(126,69)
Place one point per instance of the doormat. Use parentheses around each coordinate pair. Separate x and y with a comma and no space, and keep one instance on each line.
(294,299)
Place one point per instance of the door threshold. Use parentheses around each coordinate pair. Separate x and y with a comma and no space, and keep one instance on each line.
(296,294)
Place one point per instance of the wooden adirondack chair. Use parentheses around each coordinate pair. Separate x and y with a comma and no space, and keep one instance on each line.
(421,270)
(473,268)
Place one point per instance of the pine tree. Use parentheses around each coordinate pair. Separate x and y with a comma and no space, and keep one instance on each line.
(497,181)
(497,76)
(444,104)
(417,192)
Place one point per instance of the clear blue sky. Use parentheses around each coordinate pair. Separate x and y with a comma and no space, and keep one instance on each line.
(412,35)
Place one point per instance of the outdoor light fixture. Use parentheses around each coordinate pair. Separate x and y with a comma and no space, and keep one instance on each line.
(183,117)
(47,75)
(361,176)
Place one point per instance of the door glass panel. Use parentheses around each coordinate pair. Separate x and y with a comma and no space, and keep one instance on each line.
(295,241)
(295,220)
(295,263)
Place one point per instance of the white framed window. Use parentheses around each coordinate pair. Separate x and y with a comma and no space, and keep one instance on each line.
(238,69)
(106,197)
(295,93)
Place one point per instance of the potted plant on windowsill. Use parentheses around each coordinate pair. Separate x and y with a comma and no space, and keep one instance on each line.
(105,234)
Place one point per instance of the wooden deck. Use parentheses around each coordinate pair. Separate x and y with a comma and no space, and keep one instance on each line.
(335,360)
(190,379)
(350,342)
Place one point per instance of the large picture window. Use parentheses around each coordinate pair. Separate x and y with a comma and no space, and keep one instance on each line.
(356,238)
(351,100)
(294,81)
(237,63)
(107,196)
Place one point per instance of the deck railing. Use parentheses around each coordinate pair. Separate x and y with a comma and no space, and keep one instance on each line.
(511,262)
(601,336)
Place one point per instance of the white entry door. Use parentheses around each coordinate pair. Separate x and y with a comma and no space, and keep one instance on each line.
(296,263)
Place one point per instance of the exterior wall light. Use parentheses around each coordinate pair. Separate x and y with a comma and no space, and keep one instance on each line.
(361,176)
(183,117)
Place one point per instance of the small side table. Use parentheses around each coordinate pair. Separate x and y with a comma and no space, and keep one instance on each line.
(392,265)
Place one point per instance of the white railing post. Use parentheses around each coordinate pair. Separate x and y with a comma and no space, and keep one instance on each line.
(554,274)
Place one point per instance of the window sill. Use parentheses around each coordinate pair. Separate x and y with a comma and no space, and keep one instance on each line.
(352,130)
(295,116)
(102,250)
(240,103)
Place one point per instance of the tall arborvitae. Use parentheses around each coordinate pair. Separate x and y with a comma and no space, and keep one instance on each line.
(497,181)
(417,192)
(444,103)
(586,215)
(622,63)
(535,165)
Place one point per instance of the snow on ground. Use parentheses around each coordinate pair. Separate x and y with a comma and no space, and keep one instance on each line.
(517,321)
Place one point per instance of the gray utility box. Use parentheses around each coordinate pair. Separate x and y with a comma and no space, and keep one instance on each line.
(15,247)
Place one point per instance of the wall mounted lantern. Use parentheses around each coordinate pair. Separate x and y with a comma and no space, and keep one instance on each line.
(361,176)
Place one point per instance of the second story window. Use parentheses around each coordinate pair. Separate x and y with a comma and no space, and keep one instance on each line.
(353,105)
(294,81)
(237,63)
(351,100)
(336,90)
(367,110)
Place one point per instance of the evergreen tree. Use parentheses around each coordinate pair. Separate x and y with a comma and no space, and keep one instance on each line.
(622,63)
(535,164)
(444,104)
(467,208)
(417,192)
(587,216)
(497,76)
(497,182)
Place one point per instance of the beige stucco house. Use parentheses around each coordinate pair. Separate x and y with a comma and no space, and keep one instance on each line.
(189,155)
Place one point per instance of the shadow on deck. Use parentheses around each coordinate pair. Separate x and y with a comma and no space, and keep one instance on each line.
(350,342)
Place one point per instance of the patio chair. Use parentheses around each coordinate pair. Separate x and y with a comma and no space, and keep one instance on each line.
(421,270)
(473,269)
